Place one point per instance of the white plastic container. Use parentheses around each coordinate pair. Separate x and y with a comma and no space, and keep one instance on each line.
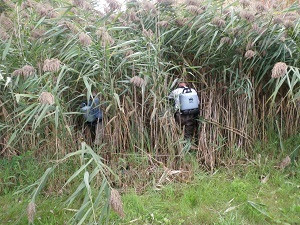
(188,99)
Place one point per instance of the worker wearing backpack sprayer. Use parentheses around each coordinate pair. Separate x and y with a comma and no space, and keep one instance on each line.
(93,117)
(187,108)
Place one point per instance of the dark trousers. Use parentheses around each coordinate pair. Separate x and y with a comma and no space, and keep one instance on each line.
(189,122)
(92,126)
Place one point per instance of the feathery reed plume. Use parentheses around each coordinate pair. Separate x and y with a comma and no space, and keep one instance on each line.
(288,24)
(219,22)
(9,3)
(258,29)
(226,12)
(148,6)
(28,4)
(285,162)
(195,10)
(115,202)
(249,54)
(137,81)
(192,2)
(37,33)
(249,45)
(165,2)
(5,21)
(181,21)
(85,39)
(51,65)
(244,3)
(105,37)
(283,37)
(3,35)
(291,16)
(113,4)
(27,70)
(17,72)
(31,210)
(163,23)
(132,16)
(278,20)
(226,40)
(78,3)
(148,33)
(128,53)
(260,7)
(70,26)
(45,10)
(247,15)
(279,70)
(236,31)
(46,98)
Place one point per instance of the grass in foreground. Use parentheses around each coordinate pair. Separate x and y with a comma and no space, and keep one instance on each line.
(233,196)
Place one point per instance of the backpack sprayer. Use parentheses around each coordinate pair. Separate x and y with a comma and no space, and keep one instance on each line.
(189,101)
(91,111)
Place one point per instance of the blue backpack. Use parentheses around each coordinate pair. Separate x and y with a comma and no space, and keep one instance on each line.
(91,110)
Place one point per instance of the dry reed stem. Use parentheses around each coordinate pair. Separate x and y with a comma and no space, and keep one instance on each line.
(279,70)
(115,202)
(46,98)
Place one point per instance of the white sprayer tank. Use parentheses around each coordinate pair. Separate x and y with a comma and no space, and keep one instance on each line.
(188,99)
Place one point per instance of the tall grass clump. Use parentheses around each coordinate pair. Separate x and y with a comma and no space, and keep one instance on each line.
(242,57)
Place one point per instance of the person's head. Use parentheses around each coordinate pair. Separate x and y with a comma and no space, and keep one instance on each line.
(182,84)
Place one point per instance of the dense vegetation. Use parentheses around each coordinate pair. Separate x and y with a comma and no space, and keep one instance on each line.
(243,57)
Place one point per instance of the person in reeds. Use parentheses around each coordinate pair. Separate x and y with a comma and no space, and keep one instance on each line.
(186,103)
(93,117)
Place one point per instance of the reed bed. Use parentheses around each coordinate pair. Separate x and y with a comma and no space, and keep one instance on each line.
(242,58)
